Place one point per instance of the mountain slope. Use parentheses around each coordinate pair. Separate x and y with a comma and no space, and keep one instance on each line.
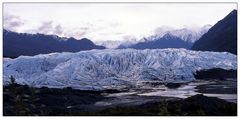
(189,35)
(16,44)
(110,69)
(221,37)
(167,41)
(167,37)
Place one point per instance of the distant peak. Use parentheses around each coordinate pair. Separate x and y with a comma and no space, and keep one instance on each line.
(168,36)
(6,31)
(207,25)
(232,13)
(85,39)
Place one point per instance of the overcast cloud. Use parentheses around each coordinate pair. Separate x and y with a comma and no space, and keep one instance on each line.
(109,21)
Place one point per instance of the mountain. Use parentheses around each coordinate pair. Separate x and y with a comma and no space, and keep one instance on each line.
(167,41)
(16,44)
(167,37)
(190,35)
(221,37)
(112,44)
(187,34)
(113,69)
(109,43)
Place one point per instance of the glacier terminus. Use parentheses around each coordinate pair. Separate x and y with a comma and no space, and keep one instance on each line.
(113,68)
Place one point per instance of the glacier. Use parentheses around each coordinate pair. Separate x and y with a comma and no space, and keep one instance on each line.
(113,68)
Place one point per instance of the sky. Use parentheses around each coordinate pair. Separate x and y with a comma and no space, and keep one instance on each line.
(109,21)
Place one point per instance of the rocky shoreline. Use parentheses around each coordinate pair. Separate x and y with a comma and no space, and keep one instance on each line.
(24,100)
(216,73)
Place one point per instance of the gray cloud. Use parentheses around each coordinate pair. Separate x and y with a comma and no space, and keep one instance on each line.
(58,29)
(162,30)
(46,27)
(12,22)
(49,28)
(129,37)
(15,23)
(78,33)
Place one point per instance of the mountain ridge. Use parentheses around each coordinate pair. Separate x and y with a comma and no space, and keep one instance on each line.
(185,38)
(16,44)
(167,41)
(222,37)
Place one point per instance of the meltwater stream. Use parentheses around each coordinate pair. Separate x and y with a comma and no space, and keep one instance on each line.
(211,89)
(223,89)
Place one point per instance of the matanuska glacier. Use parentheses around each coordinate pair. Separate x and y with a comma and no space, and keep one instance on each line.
(113,69)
